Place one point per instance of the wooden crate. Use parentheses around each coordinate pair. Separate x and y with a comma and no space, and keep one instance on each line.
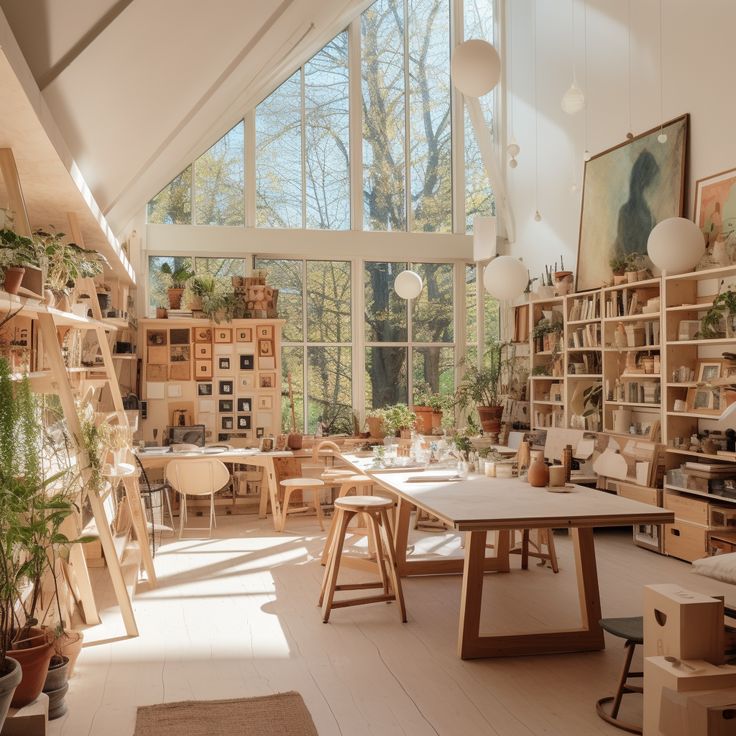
(685,540)
(687,508)
(643,494)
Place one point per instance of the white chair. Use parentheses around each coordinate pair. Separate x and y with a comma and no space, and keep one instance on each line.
(203,477)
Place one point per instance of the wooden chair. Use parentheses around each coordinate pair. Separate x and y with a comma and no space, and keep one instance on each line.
(532,543)
(203,477)
(348,484)
(376,509)
(310,485)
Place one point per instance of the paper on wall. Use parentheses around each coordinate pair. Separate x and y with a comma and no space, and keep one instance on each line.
(173,390)
(155,390)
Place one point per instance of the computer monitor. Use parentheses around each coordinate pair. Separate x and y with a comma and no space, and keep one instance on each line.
(191,435)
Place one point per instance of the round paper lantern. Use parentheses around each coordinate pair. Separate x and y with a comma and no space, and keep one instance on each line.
(475,67)
(408,285)
(676,245)
(573,100)
(505,277)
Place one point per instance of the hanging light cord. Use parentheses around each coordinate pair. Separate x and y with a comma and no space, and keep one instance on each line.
(585,75)
(661,74)
(536,114)
(631,130)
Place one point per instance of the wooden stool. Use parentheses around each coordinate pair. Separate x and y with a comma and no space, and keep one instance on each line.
(376,509)
(291,486)
(632,630)
(544,537)
(348,483)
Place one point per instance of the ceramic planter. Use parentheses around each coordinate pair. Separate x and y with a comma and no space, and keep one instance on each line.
(437,422)
(294,441)
(424,419)
(9,681)
(375,427)
(619,278)
(538,474)
(161,313)
(195,303)
(175,296)
(13,277)
(490,418)
(56,686)
(34,661)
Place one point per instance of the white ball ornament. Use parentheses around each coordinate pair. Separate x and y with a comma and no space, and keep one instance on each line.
(475,67)
(408,285)
(505,277)
(676,245)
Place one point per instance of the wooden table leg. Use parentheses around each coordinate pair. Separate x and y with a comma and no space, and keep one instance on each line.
(588,637)
(273,493)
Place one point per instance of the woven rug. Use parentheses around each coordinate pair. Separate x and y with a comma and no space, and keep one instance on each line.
(284,714)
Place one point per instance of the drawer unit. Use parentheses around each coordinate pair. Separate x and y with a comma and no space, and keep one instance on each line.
(687,508)
(722,517)
(652,496)
(685,540)
(721,543)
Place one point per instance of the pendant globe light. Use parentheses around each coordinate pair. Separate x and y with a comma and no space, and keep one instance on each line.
(505,277)
(573,101)
(408,285)
(676,245)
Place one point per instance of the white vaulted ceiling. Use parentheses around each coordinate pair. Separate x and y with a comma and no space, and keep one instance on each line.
(140,87)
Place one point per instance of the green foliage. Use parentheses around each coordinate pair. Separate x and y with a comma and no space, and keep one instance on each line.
(15,250)
(545,327)
(65,263)
(173,204)
(618,263)
(724,308)
(396,418)
(425,396)
(179,275)
(482,386)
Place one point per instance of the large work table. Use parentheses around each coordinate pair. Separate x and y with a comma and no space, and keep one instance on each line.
(478,505)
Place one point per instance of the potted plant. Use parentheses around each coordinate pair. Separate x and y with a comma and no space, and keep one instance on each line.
(618,267)
(178,278)
(16,252)
(161,313)
(481,387)
(429,408)
(546,288)
(563,279)
(398,419)
(374,421)
(719,319)
(636,267)
(202,289)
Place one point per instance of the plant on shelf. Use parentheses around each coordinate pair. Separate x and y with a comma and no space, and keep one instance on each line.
(636,267)
(16,252)
(542,370)
(374,421)
(202,289)
(618,264)
(718,321)
(430,407)
(398,418)
(592,400)
(177,279)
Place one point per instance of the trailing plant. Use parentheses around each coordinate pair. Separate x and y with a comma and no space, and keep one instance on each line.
(178,277)
(481,386)
(634,262)
(397,418)
(618,264)
(16,251)
(541,370)
(724,308)
(66,263)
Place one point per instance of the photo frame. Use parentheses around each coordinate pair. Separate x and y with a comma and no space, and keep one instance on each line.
(709,371)
(225,406)
(225,388)
(180,371)
(202,334)
(203,370)
(155,338)
(265,347)
(180,336)
(264,332)
(704,401)
(260,432)
(180,353)
(246,382)
(204,389)
(267,380)
(247,362)
(265,402)
(227,422)
(223,363)
(627,189)
(244,421)
(243,334)
(157,372)
(223,334)
(267,362)
(713,200)
(245,404)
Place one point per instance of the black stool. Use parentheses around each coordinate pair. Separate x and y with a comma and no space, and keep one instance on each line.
(632,630)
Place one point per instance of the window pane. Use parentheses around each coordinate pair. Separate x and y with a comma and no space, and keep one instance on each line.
(326,109)
(385,377)
(385,310)
(173,204)
(328,301)
(471,303)
(436,366)
(286,276)
(432,316)
(478,21)
(279,157)
(292,361)
(429,110)
(491,317)
(384,129)
(158,283)
(218,181)
(222,269)
(330,400)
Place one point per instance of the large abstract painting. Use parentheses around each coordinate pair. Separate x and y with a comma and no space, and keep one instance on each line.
(627,190)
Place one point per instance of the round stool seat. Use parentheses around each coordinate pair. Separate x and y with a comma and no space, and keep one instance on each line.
(363,503)
(302,482)
(631,629)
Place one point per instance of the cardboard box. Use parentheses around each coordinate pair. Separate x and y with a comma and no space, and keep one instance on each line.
(711,713)
(697,677)
(682,624)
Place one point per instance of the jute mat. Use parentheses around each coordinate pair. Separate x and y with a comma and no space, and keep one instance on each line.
(284,714)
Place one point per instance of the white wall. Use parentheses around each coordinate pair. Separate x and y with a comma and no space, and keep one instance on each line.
(698,77)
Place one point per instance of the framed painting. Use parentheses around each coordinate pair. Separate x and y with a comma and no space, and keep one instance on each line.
(715,206)
(627,190)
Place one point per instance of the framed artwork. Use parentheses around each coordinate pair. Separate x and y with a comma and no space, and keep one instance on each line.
(223,334)
(267,380)
(157,373)
(156,337)
(247,362)
(265,347)
(267,362)
(709,370)
(260,432)
(246,382)
(158,354)
(245,404)
(203,370)
(203,350)
(226,422)
(243,334)
(265,402)
(180,371)
(223,363)
(704,401)
(180,353)
(204,389)
(225,406)
(180,336)
(202,334)
(243,421)
(715,206)
(226,388)
(627,190)
(264,332)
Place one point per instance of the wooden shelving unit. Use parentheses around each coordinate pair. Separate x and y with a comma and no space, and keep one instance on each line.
(547,355)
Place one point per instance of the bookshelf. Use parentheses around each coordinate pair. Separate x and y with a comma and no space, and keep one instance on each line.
(547,362)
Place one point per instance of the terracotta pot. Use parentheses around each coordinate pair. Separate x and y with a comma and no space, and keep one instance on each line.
(294,441)
(619,278)
(424,419)
(175,296)
(9,681)
(70,645)
(538,474)
(161,313)
(195,303)
(13,277)
(437,422)
(490,418)
(375,427)
(62,302)
(34,662)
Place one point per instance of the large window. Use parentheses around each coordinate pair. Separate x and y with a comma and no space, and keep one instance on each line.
(404,346)
(401,119)
(482,321)
(315,299)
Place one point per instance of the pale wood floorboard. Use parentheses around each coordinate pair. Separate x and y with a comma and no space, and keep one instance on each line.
(236,616)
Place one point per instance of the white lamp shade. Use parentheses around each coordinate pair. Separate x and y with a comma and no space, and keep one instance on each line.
(505,277)
(676,245)
(573,100)
(484,238)
(475,67)
(408,285)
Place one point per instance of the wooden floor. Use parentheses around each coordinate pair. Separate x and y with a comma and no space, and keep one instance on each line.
(236,616)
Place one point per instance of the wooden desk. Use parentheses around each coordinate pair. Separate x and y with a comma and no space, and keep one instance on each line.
(269,488)
(479,505)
